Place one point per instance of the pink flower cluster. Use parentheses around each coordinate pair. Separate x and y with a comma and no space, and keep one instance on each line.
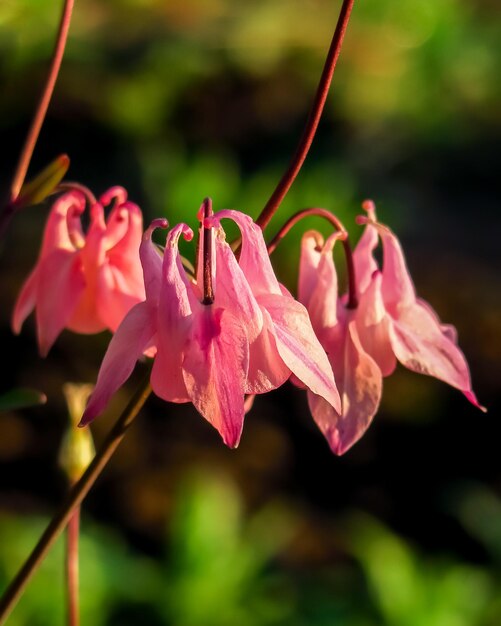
(247,340)
(84,282)
(364,343)
(231,330)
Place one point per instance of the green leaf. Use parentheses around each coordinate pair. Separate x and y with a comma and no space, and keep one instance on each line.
(44,183)
(21,399)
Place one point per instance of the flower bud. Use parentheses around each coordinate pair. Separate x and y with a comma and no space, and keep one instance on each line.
(77,448)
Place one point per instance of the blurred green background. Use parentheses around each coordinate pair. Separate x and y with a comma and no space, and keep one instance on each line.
(180,100)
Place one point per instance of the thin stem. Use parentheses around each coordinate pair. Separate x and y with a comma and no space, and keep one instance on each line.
(332,219)
(72,535)
(313,119)
(74,499)
(43,103)
(300,215)
(208,234)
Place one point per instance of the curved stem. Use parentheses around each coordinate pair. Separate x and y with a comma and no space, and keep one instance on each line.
(71,185)
(300,215)
(74,499)
(313,119)
(43,103)
(72,535)
(330,217)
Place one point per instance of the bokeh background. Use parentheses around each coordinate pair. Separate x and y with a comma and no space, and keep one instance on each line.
(180,100)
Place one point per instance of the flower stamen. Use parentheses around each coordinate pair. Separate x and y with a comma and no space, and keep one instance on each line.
(208,233)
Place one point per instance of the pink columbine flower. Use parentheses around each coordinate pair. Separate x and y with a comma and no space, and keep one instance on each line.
(85,282)
(244,335)
(357,374)
(405,328)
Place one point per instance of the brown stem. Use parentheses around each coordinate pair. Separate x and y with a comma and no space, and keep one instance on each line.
(74,499)
(208,234)
(313,119)
(43,103)
(300,215)
(330,217)
(72,533)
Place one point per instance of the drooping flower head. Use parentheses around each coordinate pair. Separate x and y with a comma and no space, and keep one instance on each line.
(228,332)
(337,326)
(409,330)
(366,332)
(85,282)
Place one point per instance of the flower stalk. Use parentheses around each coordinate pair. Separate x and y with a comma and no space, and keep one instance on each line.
(38,118)
(313,119)
(73,500)
(72,568)
(77,451)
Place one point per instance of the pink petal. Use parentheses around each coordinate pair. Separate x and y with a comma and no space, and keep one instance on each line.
(174,321)
(151,260)
(119,283)
(25,302)
(363,260)
(116,193)
(166,376)
(74,225)
(323,285)
(397,286)
(125,253)
(94,251)
(311,244)
(372,326)
(60,286)
(267,370)
(249,403)
(84,318)
(448,330)
(114,295)
(56,235)
(117,226)
(176,290)
(215,370)
(254,259)
(299,347)
(420,344)
(125,348)
(360,385)
(232,291)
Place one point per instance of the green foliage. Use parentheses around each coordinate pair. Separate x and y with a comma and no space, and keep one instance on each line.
(21,399)
(224,566)
(422,62)
(410,590)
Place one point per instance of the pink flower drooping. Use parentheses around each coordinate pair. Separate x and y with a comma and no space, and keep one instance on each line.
(364,343)
(85,282)
(357,375)
(246,338)
(406,328)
